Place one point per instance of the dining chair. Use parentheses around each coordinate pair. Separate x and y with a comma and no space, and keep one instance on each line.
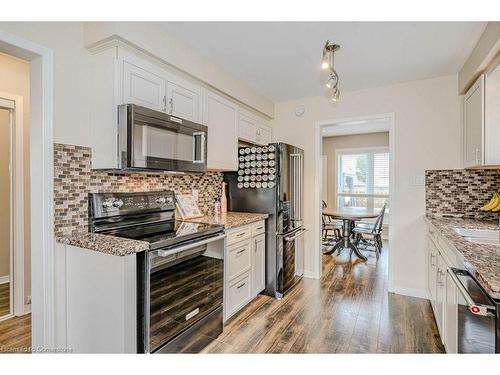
(329,225)
(371,235)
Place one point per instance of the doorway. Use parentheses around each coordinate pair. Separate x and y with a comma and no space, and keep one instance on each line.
(360,175)
(38,329)
(6,240)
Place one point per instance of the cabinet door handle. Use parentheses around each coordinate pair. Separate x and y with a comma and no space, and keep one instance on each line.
(432,257)
(240,234)
(241,251)
(241,286)
(171,104)
(164,103)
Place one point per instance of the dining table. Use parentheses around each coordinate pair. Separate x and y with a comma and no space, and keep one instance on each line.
(349,216)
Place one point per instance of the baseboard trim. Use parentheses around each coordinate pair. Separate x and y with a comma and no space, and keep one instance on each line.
(27,309)
(4,279)
(310,275)
(5,317)
(410,292)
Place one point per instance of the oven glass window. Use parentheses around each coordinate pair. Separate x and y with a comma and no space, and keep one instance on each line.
(182,291)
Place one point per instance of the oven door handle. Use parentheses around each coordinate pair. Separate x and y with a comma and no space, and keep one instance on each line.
(474,308)
(192,245)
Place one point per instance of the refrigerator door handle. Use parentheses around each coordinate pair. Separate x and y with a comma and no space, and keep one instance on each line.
(297,186)
(297,235)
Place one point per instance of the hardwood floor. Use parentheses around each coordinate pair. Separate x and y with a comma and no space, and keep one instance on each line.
(347,311)
(4,299)
(15,334)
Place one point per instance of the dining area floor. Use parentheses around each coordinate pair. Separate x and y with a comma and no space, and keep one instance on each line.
(348,310)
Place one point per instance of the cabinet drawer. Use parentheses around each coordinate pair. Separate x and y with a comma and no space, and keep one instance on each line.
(258,228)
(239,259)
(239,294)
(239,234)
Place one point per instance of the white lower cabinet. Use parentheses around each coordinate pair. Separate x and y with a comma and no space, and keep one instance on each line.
(442,289)
(239,293)
(440,294)
(258,264)
(450,316)
(244,274)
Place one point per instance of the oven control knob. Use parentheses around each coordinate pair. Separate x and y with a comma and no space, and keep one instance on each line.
(118,203)
(161,200)
(107,204)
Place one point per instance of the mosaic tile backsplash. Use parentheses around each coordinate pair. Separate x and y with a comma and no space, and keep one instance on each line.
(461,191)
(74,179)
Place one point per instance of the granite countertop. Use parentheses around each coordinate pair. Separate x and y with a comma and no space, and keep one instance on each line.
(485,259)
(103,243)
(122,246)
(231,219)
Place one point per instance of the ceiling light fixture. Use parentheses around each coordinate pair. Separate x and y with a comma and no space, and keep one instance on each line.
(327,63)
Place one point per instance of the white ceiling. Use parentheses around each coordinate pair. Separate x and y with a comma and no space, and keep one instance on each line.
(281,59)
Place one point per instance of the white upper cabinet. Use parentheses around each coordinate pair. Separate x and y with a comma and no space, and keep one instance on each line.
(492,118)
(142,87)
(121,76)
(474,124)
(150,86)
(246,128)
(481,117)
(221,117)
(252,129)
(183,100)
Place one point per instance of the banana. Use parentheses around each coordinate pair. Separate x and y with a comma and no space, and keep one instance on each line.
(496,208)
(493,203)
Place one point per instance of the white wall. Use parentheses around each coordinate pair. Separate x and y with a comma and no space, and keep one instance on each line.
(427,136)
(333,144)
(72,91)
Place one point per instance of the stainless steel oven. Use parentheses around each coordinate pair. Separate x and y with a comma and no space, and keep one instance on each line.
(476,315)
(152,140)
(182,309)
(180,276)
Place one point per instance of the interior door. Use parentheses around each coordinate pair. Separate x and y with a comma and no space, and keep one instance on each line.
(143,88)
(183,102)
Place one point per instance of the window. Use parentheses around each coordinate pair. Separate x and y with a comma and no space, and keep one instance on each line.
(363,179)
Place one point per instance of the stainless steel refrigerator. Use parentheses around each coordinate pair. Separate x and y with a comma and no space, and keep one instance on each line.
(270,180)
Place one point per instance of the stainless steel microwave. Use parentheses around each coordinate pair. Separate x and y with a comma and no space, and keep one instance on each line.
(150,140)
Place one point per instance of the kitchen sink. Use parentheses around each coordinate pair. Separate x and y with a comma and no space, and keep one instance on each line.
(480,236)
